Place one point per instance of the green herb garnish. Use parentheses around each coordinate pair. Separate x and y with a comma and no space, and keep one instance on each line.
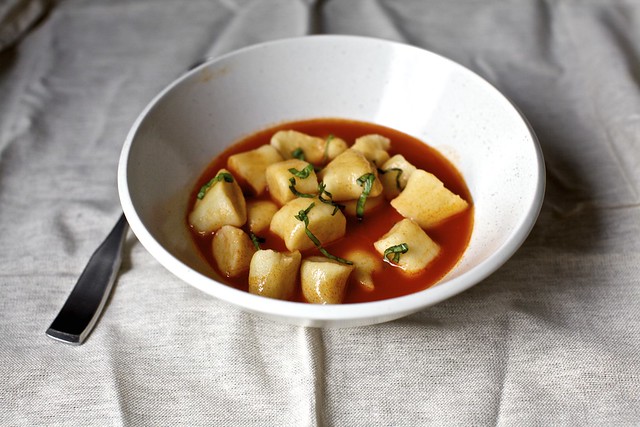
(298,154)
(393,253)
(365,181)
(326,148)
(304,173)
(303,216)
(222,176)
(256,240)
(383,171)
(292,187)
(322,190)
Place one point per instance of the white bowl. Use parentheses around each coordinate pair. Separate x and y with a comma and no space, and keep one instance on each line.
(387,83)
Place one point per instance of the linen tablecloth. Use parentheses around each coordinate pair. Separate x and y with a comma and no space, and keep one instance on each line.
(552,338)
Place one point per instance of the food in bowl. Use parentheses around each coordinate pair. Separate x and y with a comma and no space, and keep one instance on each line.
(331,211)
(406,88)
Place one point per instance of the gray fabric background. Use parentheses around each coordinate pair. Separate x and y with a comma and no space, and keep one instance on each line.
(552,338)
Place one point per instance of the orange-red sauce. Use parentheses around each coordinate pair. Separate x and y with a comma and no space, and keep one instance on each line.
(452,235)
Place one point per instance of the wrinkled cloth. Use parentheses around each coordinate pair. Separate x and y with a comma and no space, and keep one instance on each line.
(17,17)
(551,338)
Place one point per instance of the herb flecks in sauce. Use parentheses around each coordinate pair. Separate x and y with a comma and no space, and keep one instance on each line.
(452,236)
(298,154)
(326,148)
(256,240)
(302,174)
(393,253)
(365,181)
(383,171)
(304,217)
(322,190)
(292,187)
(222,176)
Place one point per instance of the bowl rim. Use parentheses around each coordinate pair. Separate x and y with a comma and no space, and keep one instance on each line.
(388,308)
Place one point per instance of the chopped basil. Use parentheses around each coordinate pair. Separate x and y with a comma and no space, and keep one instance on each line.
(324,252)
(322,190)
(326,148)
(303,216)
(298,154)
(292,187)
(365,181)
(304,173)
(222,176)
(256,240)
(383,171)
(393,253)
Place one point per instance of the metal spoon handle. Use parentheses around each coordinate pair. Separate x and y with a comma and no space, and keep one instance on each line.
(82,309)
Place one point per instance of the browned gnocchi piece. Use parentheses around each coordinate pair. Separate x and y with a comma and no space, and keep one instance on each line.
(219,202)
(323,280)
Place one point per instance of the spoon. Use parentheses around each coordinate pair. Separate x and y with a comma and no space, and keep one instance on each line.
(84,305)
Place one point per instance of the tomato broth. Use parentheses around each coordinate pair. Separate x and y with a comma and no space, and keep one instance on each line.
(452,235)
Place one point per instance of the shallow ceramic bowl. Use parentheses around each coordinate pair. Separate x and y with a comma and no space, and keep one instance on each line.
(391,84)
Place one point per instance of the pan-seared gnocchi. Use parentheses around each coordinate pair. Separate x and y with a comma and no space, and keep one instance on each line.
(331,211)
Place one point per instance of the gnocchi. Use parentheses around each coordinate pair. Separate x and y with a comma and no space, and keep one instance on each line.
(330,211)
